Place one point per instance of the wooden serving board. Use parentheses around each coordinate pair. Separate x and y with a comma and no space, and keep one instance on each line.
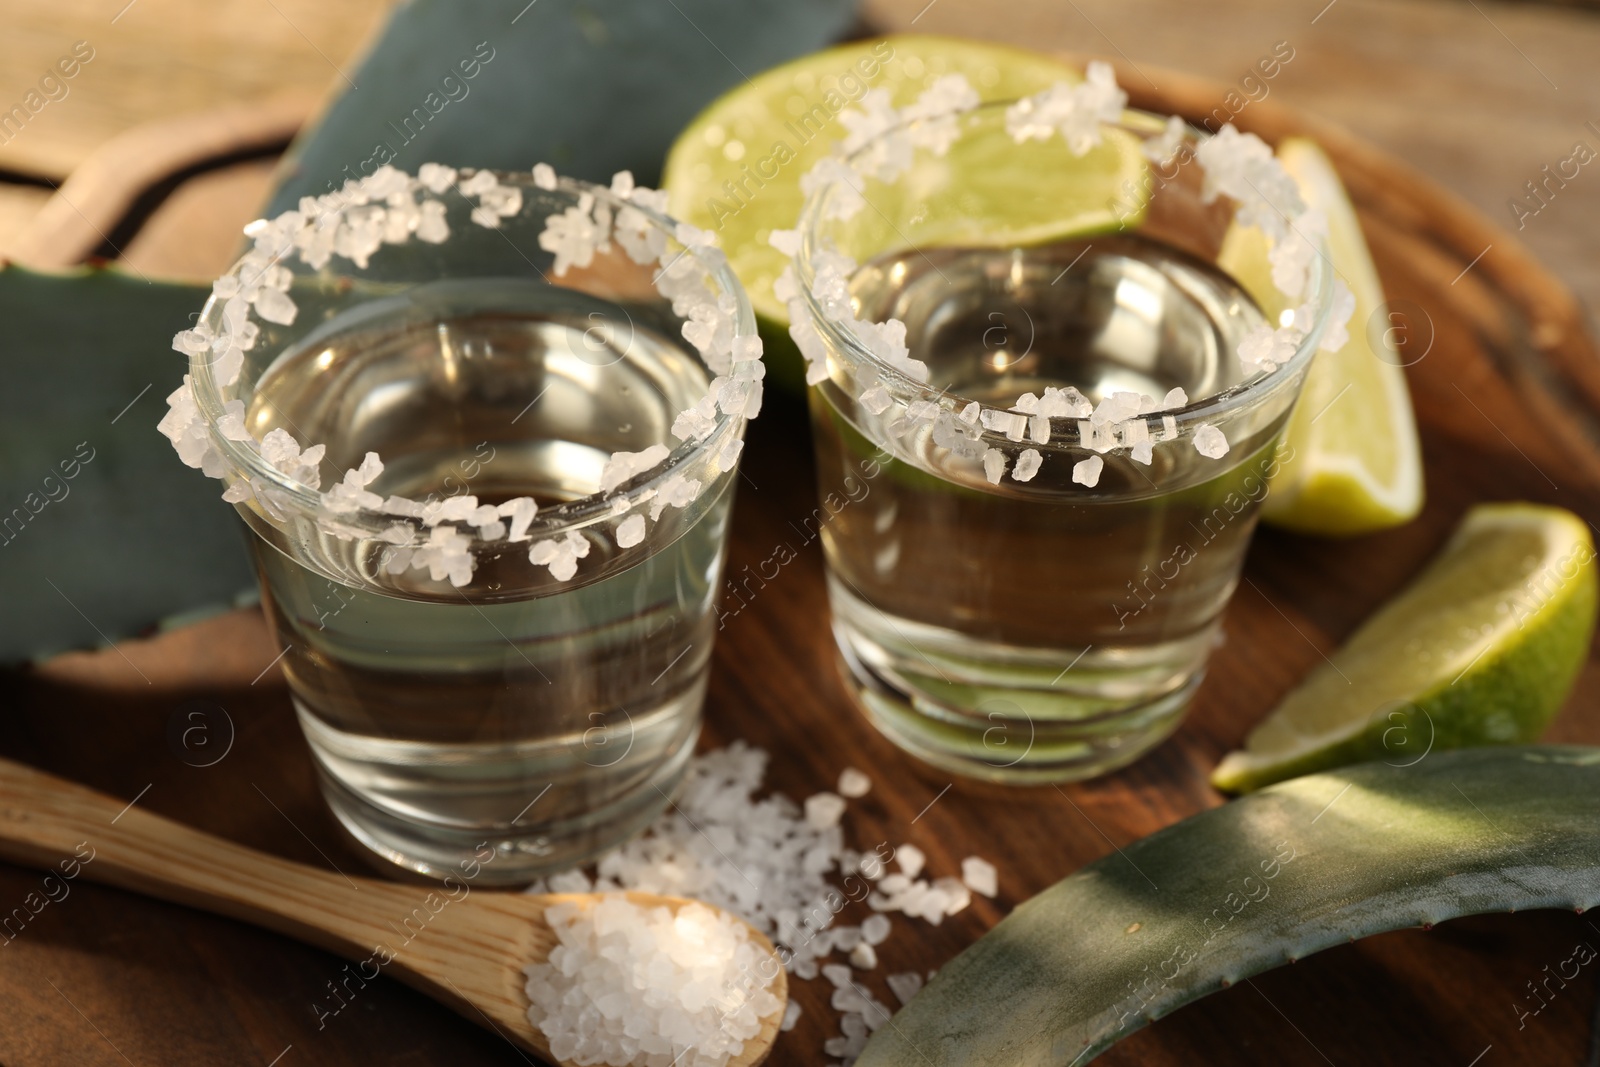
(1507,397)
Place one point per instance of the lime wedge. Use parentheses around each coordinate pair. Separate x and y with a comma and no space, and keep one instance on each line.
(1354,465)
(735,170)
(1480,649)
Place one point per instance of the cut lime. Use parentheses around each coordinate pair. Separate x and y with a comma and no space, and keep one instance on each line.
(1480,649)
(736,168)
(1352,464)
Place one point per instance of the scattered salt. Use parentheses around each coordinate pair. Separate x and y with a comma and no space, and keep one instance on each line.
(904,986)
(980,876)
(1007,422)
(911,859)
(769,861)
(864,956)
(853,783)
(824,810)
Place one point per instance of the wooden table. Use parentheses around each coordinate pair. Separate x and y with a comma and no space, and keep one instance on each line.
(103,977)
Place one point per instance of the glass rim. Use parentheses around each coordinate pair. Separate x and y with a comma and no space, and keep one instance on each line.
(246,462)
(1144,124)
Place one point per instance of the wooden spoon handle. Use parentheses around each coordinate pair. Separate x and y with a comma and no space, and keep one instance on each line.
(59,826)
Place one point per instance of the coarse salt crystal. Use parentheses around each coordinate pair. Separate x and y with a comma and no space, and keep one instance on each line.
(1087,471)
(979,876)
(766,861)
(876,400)
(954,892)
(1210,442)
(905,986)
(994,465)
(785,241)
(1097,436)
(561,555)
(624,466)
(1027,465)
(630,531)
(911,860)
(853,783)
(824,810)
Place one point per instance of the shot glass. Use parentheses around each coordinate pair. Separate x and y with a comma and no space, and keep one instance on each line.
(1053,479)
(488,481)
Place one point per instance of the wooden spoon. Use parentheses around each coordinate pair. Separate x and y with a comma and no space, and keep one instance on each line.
(464,947)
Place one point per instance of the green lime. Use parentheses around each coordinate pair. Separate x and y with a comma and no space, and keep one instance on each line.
(736,169)
(1481,648)
(1352,463)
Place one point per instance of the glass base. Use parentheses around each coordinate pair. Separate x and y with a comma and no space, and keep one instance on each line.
(524,847)
(996,738)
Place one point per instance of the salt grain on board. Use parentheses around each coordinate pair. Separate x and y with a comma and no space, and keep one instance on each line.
(853,783)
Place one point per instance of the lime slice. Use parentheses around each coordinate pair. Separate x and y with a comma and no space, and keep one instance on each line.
(735,170)
(1480,649)
(985,193)
(1354,464)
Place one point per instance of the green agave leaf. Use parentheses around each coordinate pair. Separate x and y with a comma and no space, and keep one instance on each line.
(589,86)
(102,529)
(1262,881)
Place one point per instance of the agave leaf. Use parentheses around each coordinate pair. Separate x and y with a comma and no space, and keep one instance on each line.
(132,535)
(589,86)
(1234,891)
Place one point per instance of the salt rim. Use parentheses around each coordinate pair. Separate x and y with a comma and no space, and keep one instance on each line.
(209,433)
(882,140)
